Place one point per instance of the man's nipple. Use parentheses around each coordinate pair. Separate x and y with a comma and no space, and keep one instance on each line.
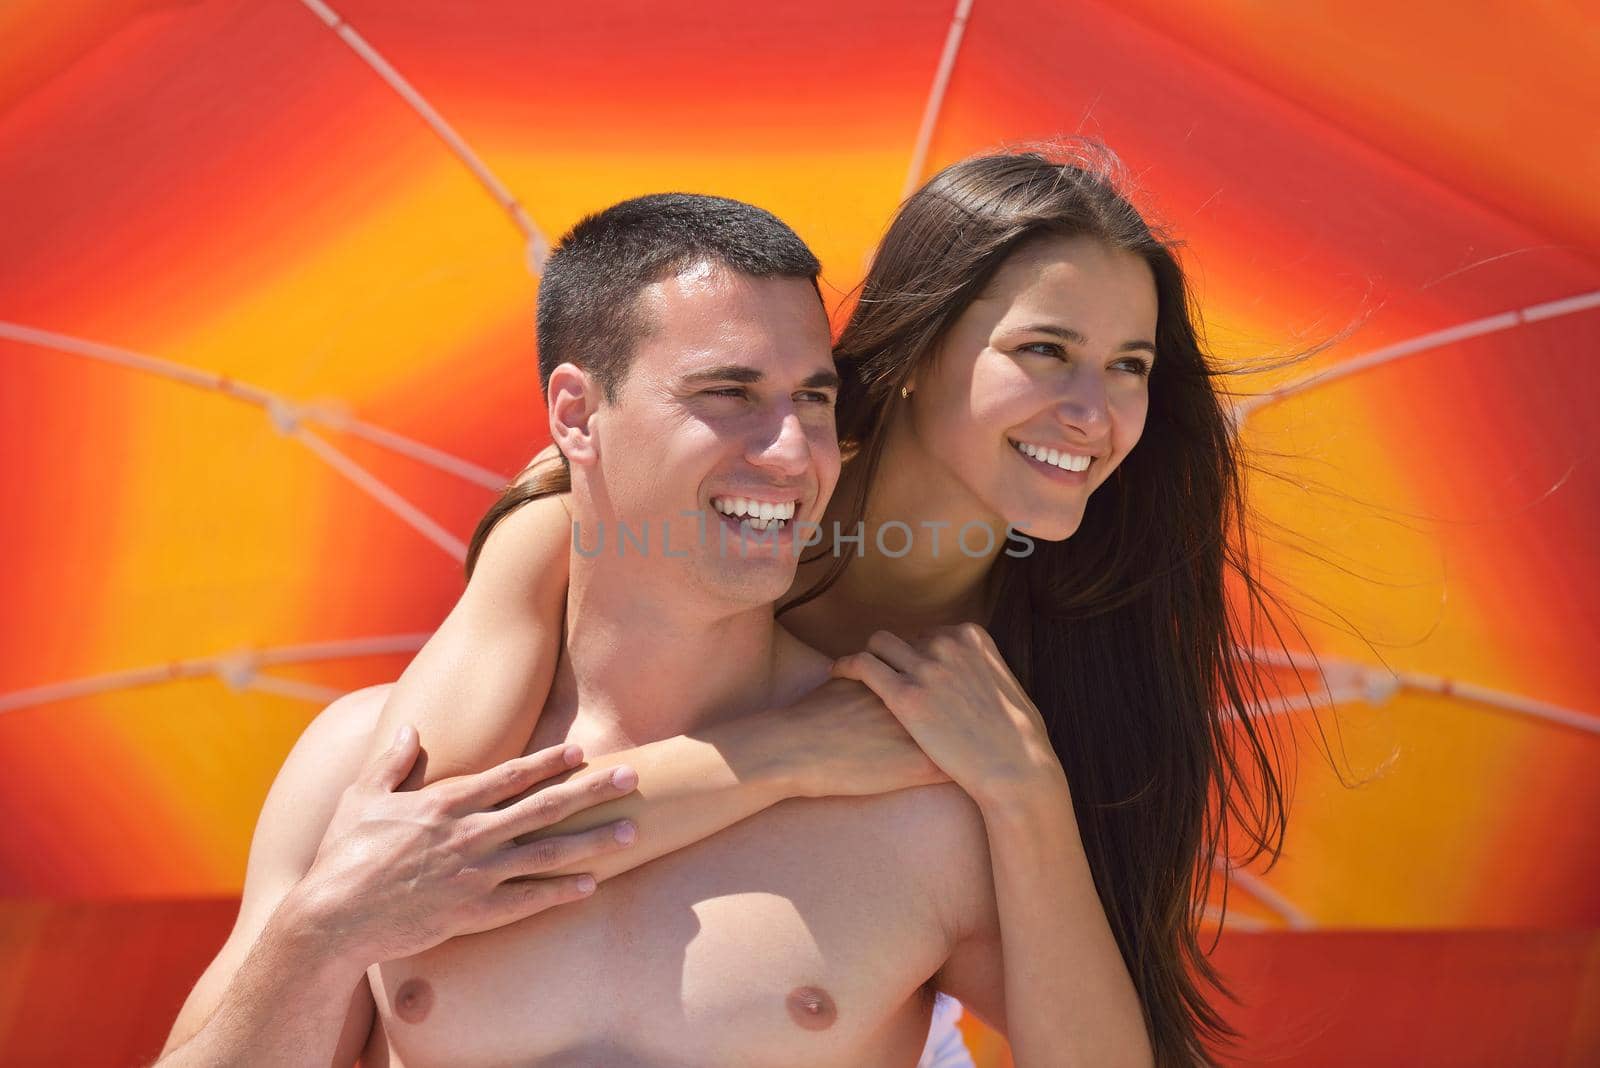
(812,1008)
(413,1000)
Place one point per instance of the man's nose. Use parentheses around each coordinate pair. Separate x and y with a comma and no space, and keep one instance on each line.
(781,447)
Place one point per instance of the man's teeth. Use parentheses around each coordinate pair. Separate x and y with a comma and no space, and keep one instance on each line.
(759,515)
(1064,460)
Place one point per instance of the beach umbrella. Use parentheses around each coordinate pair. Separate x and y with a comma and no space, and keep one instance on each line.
(267,276)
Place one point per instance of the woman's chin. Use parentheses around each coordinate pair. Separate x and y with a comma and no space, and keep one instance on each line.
(1054,528)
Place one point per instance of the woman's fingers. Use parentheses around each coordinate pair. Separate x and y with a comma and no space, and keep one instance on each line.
(894,651)
(552,804)
(874,674)
(389,769)
(505,781)
(560,851)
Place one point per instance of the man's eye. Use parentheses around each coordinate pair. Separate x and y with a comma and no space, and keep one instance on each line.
(816,396)
(727,391)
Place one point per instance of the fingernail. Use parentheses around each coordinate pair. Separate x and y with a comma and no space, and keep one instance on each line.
(625,833)
(586,884)
(624,778)
(572,755)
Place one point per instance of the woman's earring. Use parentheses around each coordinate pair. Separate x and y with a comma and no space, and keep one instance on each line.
(905,394)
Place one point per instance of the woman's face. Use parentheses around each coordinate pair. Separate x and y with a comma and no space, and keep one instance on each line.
(1041,388)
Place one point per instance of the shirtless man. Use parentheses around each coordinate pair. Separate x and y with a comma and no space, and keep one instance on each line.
(815,932)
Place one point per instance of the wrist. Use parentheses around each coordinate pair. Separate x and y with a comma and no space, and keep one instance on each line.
(764,750)
(317,931)
(794,767)
(1042,796)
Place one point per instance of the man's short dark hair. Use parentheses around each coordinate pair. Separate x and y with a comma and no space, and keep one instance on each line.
(588,298)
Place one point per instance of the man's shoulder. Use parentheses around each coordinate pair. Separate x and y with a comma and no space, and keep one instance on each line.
(802,668)
(923,828)
(943,816)
(932,837)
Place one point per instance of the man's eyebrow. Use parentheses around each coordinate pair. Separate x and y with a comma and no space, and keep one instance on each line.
(1066,333)
(733,372)
(728,372)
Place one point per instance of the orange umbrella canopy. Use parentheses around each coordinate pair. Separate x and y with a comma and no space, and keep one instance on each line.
(267,275)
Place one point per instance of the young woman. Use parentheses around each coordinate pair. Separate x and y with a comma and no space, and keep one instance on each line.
(1023,357)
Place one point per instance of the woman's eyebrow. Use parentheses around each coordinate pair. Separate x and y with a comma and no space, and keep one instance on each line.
(1066,333)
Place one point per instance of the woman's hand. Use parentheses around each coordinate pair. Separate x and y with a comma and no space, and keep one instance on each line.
(954,694)
(841,742)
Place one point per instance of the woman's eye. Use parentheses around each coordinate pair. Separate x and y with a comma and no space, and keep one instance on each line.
(1056,352)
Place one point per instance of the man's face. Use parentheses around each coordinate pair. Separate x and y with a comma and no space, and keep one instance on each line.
(722,433)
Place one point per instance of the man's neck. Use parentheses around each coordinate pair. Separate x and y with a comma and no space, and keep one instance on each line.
(645,667)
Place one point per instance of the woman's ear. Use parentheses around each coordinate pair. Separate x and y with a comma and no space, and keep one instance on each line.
(573,397)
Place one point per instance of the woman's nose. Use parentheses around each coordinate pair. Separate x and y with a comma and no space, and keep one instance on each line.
(1083,404)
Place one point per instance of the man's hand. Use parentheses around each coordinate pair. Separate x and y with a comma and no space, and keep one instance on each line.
(399,872)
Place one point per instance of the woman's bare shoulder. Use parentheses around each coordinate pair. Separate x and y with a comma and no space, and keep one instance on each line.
(528,549)
(349,719)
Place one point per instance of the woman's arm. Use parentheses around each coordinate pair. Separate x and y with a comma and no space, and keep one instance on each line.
(839,740)
(476,690)
(955,695)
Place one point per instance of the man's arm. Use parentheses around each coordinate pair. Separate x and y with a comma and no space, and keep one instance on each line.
(347,871)
(283,999)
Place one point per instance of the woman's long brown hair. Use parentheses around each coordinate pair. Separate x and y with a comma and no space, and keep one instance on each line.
(1122,634)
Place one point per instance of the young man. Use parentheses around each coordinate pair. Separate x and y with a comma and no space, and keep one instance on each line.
(688,371)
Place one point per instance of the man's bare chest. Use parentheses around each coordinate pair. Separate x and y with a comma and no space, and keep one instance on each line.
(797,937)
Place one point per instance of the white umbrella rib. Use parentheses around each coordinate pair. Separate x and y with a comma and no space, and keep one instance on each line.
(538,248)
(289,417)
(1436,339)
(382,492)
(941,82)
(1258,888)
(238,670)
(1363,682)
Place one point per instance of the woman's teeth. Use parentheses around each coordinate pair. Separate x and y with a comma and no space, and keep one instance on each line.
(757,515)
(1064,460)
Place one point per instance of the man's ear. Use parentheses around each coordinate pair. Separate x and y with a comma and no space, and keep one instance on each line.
(573,396)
